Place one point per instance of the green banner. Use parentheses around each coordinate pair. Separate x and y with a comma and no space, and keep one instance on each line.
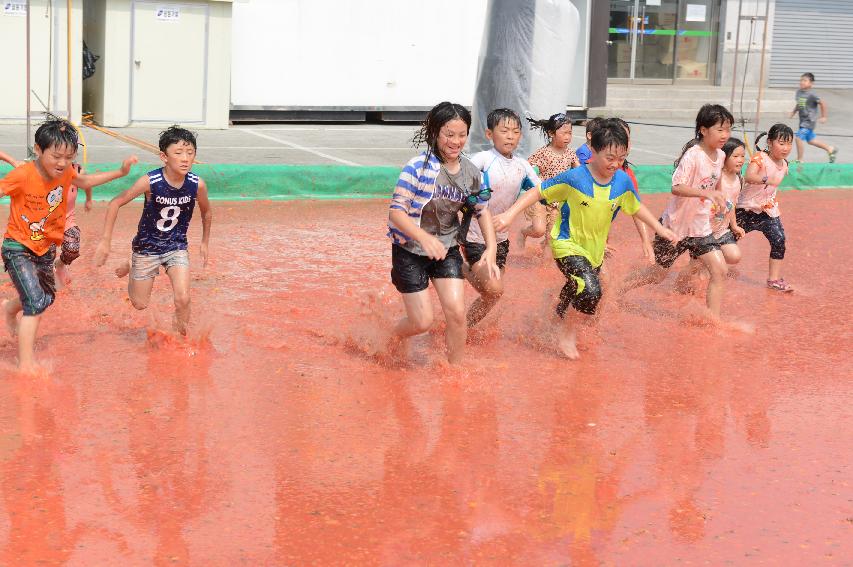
(238,182)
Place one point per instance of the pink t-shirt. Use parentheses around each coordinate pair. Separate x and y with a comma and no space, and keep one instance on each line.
(730,186)
(691,216)
(761,197)
(69,211)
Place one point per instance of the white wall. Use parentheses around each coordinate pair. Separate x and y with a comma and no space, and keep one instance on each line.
(111,106)
(363,54)
(48,60)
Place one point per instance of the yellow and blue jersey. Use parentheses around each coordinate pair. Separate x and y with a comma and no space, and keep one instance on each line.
(586,210)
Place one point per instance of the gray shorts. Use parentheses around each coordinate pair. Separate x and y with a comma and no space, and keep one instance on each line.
(144,267)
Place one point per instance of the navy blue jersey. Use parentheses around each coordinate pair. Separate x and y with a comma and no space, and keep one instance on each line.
(166,215)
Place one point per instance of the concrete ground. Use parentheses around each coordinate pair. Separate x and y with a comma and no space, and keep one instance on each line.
(655,141)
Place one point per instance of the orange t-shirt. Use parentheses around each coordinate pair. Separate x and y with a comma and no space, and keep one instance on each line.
(37,210)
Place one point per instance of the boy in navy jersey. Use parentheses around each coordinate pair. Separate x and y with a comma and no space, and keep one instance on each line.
(161,239)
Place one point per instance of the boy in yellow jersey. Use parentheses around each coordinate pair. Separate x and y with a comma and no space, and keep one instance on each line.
(589,198)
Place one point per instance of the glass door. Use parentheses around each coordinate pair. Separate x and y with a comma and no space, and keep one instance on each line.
(658,41)
(696,47)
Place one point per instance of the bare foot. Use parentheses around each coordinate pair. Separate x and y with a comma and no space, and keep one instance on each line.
(63,274)
(567,342)
(123,269)
(11,317)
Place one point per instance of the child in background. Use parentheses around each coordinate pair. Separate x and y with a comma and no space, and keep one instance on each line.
(757,208)
(551,159)
(507,176)
(645,239)
(423,224)
(807,105)
(688,213)
(589,197)
(585,152)
(39,194)
(161,239)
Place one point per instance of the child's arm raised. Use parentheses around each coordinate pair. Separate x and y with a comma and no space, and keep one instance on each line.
(645,215)
(206,218)
(88,180)
(755,172)
(9,159)
(120,200)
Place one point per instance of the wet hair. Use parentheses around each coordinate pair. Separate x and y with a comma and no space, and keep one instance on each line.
(609,133)
(708,116)
(499,115)
(781,132)
(58,132)
(550,126)
(624,124)
(808,76)
(593,123)
(174,134)
(436,118)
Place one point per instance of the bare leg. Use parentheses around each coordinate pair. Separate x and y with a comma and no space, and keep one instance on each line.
(822,145)
(418,317)
(139,292)
(567,335)
(451,294)
(180,278)
(716,264)
(63,275)
(27,329)
(732,254)
(800,149)
(11,308)
(490,290)
(775,271)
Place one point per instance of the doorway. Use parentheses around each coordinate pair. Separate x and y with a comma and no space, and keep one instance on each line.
(662,41)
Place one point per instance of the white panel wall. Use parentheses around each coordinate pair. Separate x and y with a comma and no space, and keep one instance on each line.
(356,53)
(48,60)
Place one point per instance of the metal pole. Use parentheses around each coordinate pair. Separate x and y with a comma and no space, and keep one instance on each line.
(68,49)
(29,126)
(737,47)
(761,72)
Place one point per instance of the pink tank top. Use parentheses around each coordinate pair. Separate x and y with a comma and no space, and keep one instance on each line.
(761,197)
(730,186)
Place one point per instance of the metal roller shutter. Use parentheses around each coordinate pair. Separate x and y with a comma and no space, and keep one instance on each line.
(812,36)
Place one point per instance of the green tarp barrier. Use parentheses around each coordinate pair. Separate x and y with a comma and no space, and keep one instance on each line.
(236,182)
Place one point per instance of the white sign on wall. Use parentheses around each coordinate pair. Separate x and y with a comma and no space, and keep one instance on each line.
(15,8)
(168,13)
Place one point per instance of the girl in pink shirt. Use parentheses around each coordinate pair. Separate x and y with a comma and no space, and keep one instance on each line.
(757,208)
(688,213)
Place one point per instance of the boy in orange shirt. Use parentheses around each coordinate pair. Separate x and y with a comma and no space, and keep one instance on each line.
(39,194)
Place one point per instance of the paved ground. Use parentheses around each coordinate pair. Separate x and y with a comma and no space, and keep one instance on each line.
(390,145)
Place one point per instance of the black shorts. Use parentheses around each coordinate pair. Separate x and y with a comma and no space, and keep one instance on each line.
(727,238)
(666,252)
(410,272)
(474,251)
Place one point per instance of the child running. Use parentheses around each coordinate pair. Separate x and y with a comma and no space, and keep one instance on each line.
(423,224)
(170,193)
(584,152)
(589,198)
(39,194)
(551,159)
(757,208)
(507,176)
(688,213)
(807,105)
(724,221)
